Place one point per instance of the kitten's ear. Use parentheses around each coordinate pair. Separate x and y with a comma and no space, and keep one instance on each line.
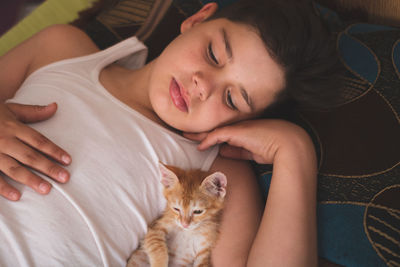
(215,184)
(168,177)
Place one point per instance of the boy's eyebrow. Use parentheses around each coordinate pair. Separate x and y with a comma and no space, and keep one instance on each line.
(228,50)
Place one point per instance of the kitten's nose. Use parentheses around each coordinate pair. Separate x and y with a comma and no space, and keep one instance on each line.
(185,224)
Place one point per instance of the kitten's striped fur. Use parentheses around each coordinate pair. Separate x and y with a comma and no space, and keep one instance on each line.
(186,232)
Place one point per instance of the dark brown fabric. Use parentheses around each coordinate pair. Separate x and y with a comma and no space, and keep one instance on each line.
(326,263)
(168,29)
(357,139)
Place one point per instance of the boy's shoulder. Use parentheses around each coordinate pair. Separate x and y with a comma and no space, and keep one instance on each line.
(59,42)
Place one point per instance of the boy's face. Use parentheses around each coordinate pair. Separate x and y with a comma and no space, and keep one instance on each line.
(215,73)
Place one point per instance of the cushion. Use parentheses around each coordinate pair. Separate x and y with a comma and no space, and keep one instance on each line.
(357,142)
(49,13)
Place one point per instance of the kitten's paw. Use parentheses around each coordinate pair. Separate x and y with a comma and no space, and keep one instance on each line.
(138,259)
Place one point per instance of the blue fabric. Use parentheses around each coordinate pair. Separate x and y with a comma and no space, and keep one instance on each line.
(366,28)
(265,182)
(341,236)
(358,57)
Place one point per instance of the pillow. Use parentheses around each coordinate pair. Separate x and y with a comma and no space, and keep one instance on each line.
(357,142)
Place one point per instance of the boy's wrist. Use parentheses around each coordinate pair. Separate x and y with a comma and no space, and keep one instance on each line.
(297,151)
(294,139)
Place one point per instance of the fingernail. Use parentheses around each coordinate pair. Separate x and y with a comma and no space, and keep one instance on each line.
(66,159)
(44,188)
(13,196)
(62,176)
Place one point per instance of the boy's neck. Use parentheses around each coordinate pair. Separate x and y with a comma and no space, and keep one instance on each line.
(131,88)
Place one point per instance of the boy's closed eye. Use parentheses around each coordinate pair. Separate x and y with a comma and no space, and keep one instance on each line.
(211,54)
(219,60)
(229,100)
(228,94)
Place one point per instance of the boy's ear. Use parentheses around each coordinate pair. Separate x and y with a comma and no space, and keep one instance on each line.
(204,13)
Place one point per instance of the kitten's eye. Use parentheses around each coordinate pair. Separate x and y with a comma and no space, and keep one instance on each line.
(197,211)
(211,54)
(176,209)
(229,100)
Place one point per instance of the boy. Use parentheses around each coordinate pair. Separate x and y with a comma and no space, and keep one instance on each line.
(215,73)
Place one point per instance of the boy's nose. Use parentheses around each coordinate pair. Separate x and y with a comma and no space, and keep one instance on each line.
(202,86)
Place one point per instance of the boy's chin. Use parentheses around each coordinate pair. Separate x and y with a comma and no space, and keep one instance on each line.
(190,129)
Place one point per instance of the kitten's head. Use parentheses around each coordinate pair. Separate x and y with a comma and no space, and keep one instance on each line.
(193,196)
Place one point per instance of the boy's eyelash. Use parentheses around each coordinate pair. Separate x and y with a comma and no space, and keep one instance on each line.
(211,54)
(230,101)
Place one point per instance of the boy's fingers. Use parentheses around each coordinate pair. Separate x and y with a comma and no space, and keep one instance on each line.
(35,160)
(19,173)
(9,191)
(218,136)
(43,144)
(32,113)
(209,142)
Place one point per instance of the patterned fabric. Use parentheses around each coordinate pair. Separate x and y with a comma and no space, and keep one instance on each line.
(359,177)
(358,145)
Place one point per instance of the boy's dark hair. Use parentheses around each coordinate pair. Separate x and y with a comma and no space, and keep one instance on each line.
(298,41)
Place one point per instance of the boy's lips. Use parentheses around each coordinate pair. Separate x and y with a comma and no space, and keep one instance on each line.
(177,96)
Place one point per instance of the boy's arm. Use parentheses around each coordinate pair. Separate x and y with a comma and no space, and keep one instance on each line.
(49,45)
(287,233)
(20,145)
(241,216)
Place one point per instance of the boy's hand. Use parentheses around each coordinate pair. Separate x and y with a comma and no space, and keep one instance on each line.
(257,140)
(22,147)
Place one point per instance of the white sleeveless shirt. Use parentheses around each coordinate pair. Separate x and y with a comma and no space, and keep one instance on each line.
(99,216)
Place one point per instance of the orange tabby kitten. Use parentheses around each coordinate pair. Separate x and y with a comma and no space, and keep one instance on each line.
(185,234)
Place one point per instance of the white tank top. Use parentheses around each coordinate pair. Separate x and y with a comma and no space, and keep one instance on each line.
(99,216)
